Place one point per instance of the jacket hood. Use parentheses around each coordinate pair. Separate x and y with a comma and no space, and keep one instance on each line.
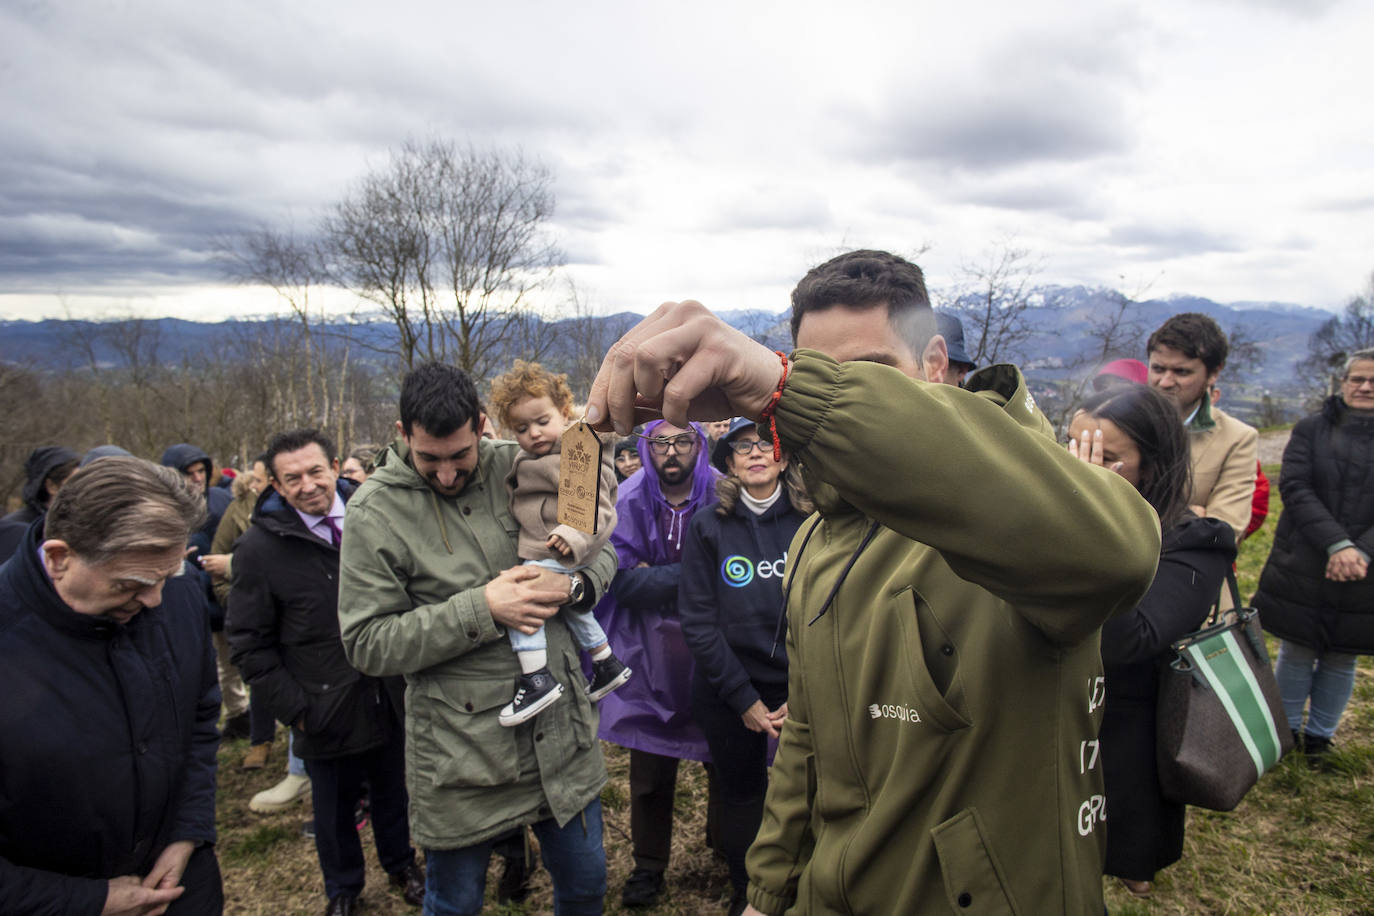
(184,455)
(703,475)
(106,451)
(41,462)
(393,467)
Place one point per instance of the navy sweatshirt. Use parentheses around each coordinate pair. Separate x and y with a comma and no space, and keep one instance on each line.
(730,598)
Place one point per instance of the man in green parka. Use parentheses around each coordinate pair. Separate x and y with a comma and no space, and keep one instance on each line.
(429,582)
(945,686)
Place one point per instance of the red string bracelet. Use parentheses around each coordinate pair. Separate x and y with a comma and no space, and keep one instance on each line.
(772,405)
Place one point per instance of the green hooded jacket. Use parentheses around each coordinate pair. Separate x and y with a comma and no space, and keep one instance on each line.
(940,753)
(411,601)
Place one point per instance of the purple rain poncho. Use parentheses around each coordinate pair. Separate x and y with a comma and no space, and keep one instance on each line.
(653,711)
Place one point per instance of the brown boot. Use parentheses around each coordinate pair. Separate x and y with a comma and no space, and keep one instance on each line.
(256,758)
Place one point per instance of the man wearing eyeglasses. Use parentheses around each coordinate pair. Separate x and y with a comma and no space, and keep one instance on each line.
(651,715)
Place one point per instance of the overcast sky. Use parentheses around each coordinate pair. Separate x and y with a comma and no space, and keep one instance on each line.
(1223,148)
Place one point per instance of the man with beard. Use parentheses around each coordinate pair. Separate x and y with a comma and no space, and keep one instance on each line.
(430,581)
(651,715)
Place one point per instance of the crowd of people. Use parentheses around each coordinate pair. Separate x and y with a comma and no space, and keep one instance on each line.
(914,640)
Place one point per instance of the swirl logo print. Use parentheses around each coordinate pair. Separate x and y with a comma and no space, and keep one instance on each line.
(737,571)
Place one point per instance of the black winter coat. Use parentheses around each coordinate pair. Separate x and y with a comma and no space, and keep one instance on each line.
(1327,484)
(107,739)
(1145,832)
(730,599)
(283,629)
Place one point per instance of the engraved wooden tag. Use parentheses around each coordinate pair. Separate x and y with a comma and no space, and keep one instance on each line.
(579,478)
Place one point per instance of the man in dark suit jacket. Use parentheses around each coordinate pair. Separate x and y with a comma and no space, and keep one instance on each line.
(284,632)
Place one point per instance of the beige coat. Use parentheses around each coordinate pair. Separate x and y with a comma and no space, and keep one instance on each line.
(533,482)
(1224,456)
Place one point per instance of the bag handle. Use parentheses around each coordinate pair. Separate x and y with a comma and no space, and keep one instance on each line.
(1233,587)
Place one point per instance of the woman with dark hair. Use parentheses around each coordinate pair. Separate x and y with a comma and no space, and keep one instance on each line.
(626,457)
(1134,431)
(730,605)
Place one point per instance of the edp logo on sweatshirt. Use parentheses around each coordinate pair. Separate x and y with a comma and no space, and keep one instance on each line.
(738,571)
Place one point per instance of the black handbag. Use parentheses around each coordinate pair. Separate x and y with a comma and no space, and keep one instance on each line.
(1219,723)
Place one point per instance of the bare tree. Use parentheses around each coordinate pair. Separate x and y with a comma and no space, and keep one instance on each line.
(994,300)
(1245,356)
(449,242)
(586,336)
(1113,332)
(1331,344)
(294,269)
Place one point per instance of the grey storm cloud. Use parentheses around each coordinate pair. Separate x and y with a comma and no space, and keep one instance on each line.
(773,208)
(134,143)
(1049,98)
(1169,240)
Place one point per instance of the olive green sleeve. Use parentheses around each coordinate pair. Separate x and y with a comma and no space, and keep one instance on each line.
(1065,543)
(784,843)
(383,633)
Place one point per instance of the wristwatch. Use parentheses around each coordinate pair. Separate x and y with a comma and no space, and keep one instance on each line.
(577,589)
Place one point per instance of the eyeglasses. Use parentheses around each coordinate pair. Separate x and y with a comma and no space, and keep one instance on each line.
(1359,381)
(745,446)
(681,445)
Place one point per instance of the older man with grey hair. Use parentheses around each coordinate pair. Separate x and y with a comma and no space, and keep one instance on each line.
(107,729)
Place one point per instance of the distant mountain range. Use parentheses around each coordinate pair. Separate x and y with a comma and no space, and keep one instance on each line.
(1060,321)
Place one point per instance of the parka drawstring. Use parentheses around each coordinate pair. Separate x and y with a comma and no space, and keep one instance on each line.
(868,536)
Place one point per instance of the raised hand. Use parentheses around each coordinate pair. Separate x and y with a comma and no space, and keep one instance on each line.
(681,363)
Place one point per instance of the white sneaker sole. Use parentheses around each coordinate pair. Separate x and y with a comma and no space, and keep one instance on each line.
(273,806)
(595,695)
(510,718)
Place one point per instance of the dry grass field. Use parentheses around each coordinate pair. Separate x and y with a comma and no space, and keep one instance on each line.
(1301,843)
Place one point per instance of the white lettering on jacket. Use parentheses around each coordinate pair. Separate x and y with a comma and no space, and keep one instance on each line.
(893,711)
(1087,755)
(1097,693)
(1090,813)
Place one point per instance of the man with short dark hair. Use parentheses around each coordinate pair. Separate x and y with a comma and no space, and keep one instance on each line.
(430,581)
(1185,357)
(107,726)
(945,685)
(284,629)
(652,714)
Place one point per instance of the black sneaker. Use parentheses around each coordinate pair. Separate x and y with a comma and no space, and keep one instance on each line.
(642,888)
(607,675)
(1315,748)
(533,692)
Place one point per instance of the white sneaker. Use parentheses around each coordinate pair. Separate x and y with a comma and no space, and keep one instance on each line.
(281,796)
